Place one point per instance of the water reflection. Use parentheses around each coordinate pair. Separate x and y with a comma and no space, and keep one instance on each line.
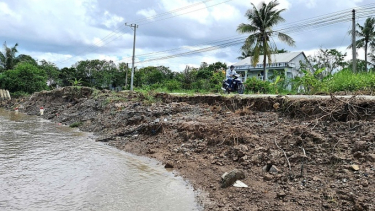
(46,166)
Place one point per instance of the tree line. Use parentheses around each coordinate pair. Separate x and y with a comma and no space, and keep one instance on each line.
(22,74)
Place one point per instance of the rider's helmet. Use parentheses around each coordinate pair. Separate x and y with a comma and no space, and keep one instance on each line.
(231,67)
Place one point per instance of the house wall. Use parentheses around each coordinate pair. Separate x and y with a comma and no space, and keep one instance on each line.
(290,71)
(296,69)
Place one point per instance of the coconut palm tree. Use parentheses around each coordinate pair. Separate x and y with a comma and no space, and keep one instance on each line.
(366,35)
(8,57)
(260,28)
(250,52)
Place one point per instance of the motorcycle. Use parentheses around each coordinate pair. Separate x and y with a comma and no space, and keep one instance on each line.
(237,85)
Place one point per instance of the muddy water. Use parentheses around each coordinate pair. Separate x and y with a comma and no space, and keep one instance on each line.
(46,166)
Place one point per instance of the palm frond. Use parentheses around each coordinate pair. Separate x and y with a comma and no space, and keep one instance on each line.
(246,28)
(286,39)
(255,58)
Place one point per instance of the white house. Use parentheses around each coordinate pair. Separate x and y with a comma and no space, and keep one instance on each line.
(290,62)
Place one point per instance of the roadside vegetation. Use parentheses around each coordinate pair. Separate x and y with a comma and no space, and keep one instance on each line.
(326,72)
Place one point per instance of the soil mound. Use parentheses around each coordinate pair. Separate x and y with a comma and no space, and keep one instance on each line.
(304,154)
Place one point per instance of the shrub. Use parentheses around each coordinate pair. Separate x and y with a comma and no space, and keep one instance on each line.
(172,85)
(25,78)
(257,86)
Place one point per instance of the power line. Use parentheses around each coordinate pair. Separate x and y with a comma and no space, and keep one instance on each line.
(151,18)
(115,34)
(296,28)
(148,22)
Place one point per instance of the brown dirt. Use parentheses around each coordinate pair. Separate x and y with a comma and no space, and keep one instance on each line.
(313,144)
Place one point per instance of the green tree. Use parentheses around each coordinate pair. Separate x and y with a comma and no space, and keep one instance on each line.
(366,34)
(328,59)
(217,66)
(25,77)
(250,52)
(187,77)
(260,28)
(124,67)
(26,58)
(8,57)
(52,73)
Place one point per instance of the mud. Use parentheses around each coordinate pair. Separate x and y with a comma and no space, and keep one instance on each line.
(296,154)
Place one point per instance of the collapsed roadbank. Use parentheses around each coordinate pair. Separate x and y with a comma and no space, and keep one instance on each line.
(296,154)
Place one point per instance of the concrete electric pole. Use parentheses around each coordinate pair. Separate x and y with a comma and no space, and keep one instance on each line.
(134,26)
(354,49)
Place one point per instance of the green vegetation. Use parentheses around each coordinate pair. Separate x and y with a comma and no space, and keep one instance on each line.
(25,77)
(76,124)
(325,72)
(366,34)
(260,28)
(344,80)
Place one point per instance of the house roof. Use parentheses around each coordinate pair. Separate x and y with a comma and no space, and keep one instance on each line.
(281,57)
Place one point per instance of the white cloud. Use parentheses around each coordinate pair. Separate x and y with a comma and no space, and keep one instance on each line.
(111,20)
(98,42)
(148,13)
(225,13)
(284,4)
(200,13)
(309,3)
(85,29)
(6,12)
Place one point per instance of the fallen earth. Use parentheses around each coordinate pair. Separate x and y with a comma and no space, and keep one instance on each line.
(293,154)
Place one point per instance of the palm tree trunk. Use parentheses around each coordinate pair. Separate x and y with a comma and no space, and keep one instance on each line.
(264,68)
(265,75)
(366,57)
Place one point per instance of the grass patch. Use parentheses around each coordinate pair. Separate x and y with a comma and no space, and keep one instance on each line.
(76,124)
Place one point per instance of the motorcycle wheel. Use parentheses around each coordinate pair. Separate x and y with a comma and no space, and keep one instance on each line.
(240,88)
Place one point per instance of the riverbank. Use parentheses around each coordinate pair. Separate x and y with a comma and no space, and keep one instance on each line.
(321,151)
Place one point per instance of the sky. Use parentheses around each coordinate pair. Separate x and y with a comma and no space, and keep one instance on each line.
(67,31)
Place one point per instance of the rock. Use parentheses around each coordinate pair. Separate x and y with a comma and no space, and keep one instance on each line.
(254,159)
(228,179)
(240,184)
(240,150)
(273,169)
(270,168)
(354,167)
(359,146)
(243,159)
(168,166)
(281,194)
(268,177)
(364,183)
(371,157)
(276,106)
(151,151)
(315,178)
(266,168)
(345,171)
(358,154)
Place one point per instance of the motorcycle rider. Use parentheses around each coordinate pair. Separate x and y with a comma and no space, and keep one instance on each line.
(229,75)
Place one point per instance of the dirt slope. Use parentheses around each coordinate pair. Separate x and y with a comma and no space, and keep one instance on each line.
(305,154)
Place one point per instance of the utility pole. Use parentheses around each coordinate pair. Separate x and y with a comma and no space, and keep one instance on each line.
(134,26)
(354,49)
(126,74)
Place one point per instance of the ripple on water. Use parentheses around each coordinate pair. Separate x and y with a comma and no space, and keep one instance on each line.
(46,166)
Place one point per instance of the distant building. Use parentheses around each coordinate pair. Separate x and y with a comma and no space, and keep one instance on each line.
(290,62)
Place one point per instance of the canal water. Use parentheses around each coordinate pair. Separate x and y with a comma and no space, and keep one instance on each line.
(47,166)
